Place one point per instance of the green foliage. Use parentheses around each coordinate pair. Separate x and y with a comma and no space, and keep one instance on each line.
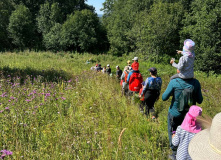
(65,111)
(158,33)
(49,19)
(43,20)
(203,25)
(119,18)
(52,38)
(42,25)
(20,27)
(5,12)
(81,31)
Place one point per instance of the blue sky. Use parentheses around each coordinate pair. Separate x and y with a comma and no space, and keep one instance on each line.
(97,4)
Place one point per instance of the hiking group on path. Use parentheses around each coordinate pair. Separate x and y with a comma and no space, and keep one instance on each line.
(187,140)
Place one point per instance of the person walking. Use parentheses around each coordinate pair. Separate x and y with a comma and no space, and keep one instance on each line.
(124,79)
(118,72)
(175,117)
(151,91)
(186,131)
(108,70)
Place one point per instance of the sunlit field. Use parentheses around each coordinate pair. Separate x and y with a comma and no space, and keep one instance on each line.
(52,106)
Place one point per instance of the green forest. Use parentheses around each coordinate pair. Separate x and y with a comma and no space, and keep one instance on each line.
(152,29)
(53,106)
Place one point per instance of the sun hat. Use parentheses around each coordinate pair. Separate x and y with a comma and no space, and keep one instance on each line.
(189,123)
(128,62)
(188,47)
(135,59)
(117,67)
(152,70)
(207,143)
(108,65)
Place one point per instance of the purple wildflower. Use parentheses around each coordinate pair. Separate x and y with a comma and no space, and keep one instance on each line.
(63,98)
(6,152)
(1,111)
(6,108)
(47,95)
(28,100)
(4,94)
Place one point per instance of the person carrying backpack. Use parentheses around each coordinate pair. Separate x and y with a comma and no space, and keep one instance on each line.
(182,99)
(134,79)
(151,91)
(124,79)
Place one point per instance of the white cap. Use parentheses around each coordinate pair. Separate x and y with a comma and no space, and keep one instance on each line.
(135,59)
(117,66)
(108,65)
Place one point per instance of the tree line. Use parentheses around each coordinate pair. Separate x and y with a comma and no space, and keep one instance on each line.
(154,29)
(157,28)
(50,25)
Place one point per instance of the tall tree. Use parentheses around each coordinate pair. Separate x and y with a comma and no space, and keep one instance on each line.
(21,27)
(119,20)
(6,8)
(81,31)
(203,25)
(158,32)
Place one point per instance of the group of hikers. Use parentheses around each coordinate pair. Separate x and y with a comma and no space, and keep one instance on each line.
(186,138)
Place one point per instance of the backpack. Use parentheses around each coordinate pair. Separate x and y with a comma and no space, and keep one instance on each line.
(126,75)
(185,99)
(135,82)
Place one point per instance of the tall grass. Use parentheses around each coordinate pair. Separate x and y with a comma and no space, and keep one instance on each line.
(70,112)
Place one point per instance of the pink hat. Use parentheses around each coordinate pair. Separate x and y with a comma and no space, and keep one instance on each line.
(189,123)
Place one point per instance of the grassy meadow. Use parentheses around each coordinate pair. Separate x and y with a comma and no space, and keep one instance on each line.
(53,107)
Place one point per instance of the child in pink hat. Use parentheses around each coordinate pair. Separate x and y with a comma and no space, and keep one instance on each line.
(186,131)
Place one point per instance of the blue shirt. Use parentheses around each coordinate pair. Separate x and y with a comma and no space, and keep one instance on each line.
(152,83)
